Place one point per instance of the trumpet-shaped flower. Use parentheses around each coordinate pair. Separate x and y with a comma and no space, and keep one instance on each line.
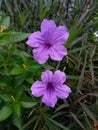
(48,42)
(51,87)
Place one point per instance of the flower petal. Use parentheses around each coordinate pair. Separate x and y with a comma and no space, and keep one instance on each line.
(62,91)
(49,98)
(38,89)
(57,52)
(61,35)
(47,76)
(59,77)
(41,54)
(35,39)
(48,26)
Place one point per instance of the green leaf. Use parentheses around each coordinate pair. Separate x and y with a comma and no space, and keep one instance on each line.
(5,97)
(62,106)
(47,66)
(17,70)
(19,79)
(56,123)
(28,104)
(5,113)
(17,121)
(17,107)
(29,122)
(40,2)
(77,120)
(12,37)
(78,49)
(6,22)
(73,33)
(36,123)
(73,77)
(89,113)
(21,53)
(30,80)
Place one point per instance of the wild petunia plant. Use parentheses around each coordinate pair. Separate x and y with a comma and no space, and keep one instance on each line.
(49,42)
(21,110)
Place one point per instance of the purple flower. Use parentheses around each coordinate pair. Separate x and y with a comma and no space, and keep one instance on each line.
(51,87)
(48,42)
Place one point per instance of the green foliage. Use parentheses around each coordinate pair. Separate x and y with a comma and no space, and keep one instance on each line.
(12,37)
(5,22)
(18,70)
(5,112)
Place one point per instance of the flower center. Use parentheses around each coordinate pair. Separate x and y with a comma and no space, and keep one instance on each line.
(49,45)
(50,86)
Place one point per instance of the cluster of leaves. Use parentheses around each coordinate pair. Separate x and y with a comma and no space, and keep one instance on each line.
(18,108)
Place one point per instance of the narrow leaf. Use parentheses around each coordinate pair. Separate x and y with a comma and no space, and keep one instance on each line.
(57,124)
(89,113)
(28,104)
(77,120)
